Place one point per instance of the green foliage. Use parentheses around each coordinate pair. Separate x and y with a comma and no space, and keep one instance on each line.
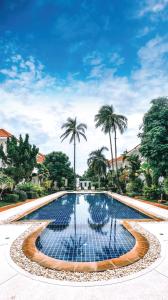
(22,195)
(165,185)
(11,197)
(134,187)
(59,168)
(29,186)
(43,172)
(6,182)
(153,192)
(146,170)
(134,166)
(110,122)
(154,137)
(98,163)
(47,184)
(20,159)
(32,195)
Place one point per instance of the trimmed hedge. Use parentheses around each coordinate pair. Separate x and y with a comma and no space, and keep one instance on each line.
(11,197)
(22,195)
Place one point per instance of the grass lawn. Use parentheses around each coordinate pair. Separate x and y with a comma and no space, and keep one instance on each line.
(4,203)
(150,200)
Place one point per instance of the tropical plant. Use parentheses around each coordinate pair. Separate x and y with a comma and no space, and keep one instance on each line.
(146,170)
(19,158)
(31,187)
(5,182)
(111,122)
(165,185)
(152,192)
(134,166)
(104,119)
(98,163)
(43,172)
(75,131)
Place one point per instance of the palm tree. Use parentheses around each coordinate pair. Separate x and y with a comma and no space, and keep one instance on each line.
(110,123)
(75,131)
(98,163)
(104,119)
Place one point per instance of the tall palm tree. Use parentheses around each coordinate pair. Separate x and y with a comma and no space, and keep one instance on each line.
(111,122)
(75,131)
(98,163)
(104,120)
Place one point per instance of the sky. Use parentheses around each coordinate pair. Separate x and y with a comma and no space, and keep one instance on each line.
(67,58)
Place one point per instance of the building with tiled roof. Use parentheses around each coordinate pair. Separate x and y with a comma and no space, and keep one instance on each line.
(4,133)
(121,162)
(40,158)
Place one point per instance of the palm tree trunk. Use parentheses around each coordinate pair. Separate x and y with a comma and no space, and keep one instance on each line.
(116,163)
(74,162)
(99,182)
(115,141)
(111,149)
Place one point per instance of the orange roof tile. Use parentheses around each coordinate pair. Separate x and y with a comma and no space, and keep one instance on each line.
(40,158)
(4,133)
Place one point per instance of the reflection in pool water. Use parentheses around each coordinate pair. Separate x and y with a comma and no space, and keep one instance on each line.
(85,227)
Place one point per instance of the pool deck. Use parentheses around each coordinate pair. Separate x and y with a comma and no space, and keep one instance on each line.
(149,284)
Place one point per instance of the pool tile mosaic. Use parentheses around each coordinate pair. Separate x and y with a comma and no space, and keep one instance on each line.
(85,228)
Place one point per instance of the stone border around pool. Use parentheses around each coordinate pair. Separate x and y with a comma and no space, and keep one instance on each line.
(145,259)
(139,250)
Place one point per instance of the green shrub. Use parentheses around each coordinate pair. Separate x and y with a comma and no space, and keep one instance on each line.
(165,186)
(22,195)
(11,197)
(134,187)
(152,193)
(29,186)
(32,195)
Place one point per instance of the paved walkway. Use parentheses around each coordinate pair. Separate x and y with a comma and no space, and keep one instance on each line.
(149,284)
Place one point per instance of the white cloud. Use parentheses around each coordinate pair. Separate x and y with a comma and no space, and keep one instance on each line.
(34,102)
(116,59)
(152,7)
(144,31)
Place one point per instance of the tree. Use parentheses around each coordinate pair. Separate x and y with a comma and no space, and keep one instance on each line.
(59,167)
(111,122)
(5,182)
(98,163)
(104,119)
(135,184)
(19,158)
(75,131)
(154,137)
(43,173)
(146,170)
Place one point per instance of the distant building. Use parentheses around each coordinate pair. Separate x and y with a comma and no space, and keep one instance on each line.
(121,162)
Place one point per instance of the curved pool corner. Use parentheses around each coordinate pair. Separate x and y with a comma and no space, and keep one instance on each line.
(136,253)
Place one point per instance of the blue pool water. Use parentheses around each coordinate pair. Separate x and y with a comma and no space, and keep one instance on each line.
(85,227)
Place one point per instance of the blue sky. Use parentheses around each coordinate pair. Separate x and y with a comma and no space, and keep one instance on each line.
(67,58)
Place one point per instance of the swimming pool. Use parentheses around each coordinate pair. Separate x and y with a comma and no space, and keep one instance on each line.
(85,228)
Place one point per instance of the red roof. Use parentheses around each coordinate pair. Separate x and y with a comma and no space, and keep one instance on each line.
(4,133)
(120,158)
(40,158)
